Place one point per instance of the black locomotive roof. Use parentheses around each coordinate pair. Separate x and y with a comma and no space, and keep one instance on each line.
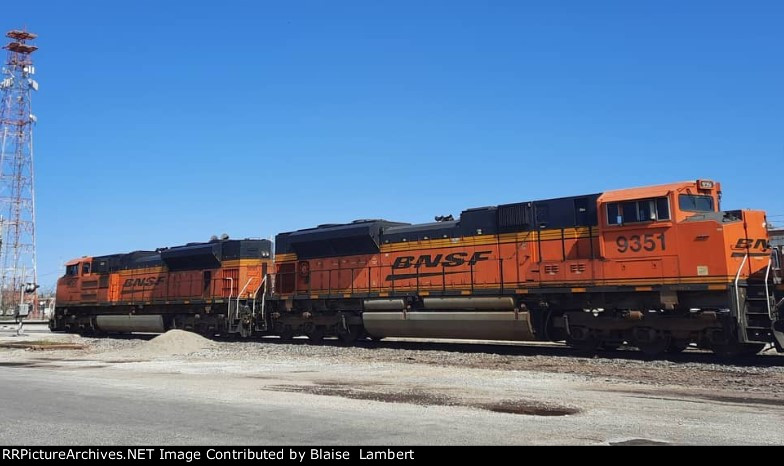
(358,237)
(131,260)
(422,231)
(187,257)
(364,236)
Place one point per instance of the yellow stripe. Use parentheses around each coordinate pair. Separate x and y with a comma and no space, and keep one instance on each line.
(148,270)
(480,240)
(243,262)
(285,257)
(638,284)
(161,269)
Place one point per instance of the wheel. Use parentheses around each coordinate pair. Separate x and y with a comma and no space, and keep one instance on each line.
(366,336)
(286,334)
(677,346)
(587,345)
(583,340)
(349,336)
(751,349)
(610,346)
(655,347)
(316,335)
(735,349)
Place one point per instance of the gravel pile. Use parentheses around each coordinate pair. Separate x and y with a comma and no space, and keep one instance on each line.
(175,342)
(170,344)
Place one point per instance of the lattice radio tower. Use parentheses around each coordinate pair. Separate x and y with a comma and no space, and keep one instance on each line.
(17,196)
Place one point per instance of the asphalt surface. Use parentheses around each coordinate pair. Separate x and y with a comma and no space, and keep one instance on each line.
(118,392)
(40,408)
(92,406)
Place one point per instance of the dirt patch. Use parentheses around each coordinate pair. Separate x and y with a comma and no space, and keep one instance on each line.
(422,398)
(387,397)
(28,365)
(702,397)
(39,345)
(528,408)
(18,364)
(638,442)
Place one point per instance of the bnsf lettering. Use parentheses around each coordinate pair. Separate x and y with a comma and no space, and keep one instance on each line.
(428,261)
(751,243)
(454,259)
(149,281)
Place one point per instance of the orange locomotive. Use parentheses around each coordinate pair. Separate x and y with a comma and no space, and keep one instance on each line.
(657,267)
(192,287)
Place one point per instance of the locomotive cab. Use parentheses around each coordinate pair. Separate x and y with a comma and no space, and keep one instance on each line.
(78,273)
(674,231)
(706,260)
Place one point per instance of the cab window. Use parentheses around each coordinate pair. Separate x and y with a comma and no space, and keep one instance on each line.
(642,210)
(72,270)
(692,203)
(85,268)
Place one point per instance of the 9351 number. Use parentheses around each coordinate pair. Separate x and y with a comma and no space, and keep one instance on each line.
(637,243)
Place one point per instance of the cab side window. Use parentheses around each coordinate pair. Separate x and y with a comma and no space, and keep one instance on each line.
(72,270)
(643,210)
(86,268)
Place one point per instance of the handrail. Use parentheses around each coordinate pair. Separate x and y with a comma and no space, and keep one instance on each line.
(231,293)
(737,291)
(767,290)
(256,295)
(239,295)
(263,301)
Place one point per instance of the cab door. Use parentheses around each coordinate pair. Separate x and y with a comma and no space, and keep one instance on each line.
(114,287)
(88,282)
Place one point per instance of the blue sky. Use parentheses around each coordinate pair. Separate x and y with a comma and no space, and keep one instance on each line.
(163,122)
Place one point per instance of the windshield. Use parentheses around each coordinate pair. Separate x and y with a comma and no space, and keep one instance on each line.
(692,203)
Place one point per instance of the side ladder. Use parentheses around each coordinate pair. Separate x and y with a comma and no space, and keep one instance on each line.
(754,304)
